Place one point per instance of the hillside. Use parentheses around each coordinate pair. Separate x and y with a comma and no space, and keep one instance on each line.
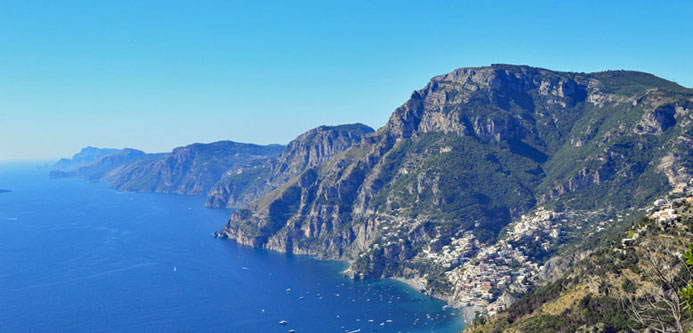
(308,150)
(476,183)
(232,173)
(634,280)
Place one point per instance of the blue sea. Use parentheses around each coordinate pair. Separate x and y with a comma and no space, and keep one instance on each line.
(80,257)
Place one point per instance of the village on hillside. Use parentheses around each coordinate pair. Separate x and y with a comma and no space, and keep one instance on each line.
(486,278)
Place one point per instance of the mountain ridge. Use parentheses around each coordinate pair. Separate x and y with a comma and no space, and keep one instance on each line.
(470,154)
(309,149)
(228,171)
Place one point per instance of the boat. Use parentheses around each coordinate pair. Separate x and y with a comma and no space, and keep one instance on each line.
(283,322)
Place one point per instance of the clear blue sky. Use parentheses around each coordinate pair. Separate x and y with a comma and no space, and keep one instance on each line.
(158,74)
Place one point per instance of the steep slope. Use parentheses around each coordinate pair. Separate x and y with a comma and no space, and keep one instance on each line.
(428,193)
(623,284)
(306,151)
(192,169)
(85,156)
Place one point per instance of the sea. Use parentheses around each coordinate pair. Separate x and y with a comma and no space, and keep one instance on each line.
(77,256)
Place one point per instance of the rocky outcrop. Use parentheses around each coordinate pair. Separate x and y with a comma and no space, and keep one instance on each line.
(308,150)
(471,152)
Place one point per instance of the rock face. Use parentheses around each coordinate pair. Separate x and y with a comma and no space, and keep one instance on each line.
(471,152)
(308,150)
(234,173)
(85,156)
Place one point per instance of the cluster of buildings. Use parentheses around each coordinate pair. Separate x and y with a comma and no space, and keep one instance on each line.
(665,213)
(485,276)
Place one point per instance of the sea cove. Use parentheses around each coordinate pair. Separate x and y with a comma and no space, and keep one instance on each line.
(79,256)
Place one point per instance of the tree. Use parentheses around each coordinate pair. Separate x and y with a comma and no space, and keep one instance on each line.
(665,304)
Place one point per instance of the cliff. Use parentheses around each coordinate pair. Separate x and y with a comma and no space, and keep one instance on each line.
(308,150)
(232,173)
(515,159)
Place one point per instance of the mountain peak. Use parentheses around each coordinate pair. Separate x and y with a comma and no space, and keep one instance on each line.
(474,152)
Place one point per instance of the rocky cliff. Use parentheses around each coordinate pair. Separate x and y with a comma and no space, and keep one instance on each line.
(461,162)
(308,150)
(233,173)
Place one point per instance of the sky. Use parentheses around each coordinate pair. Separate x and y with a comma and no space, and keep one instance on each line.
(155,75)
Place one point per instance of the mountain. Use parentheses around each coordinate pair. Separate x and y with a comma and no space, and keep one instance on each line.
(633,280)
(308,150)
(110,164)
(477,183)
(192,169)
(85,156)
(234,173)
